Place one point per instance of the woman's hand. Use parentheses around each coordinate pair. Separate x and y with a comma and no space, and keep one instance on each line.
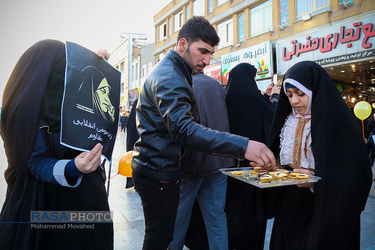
(276,88)
(88,162)
(269,88)
(103,53)
(308,172)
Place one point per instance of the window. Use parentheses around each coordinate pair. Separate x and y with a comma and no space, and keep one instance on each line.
(220,2)
(241,28)
(162,31)
(347,1)
(133,73)
(122,66)
(170,26)
(261,18)
(225,32)
(284,13)
(311,6)
(144,70)
(136,71)
(187,12)
(178,20)
(198,8)
(160,56)
(149,67)
(210,6)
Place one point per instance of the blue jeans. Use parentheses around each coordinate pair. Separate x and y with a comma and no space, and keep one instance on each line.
(210,192)
(160,203)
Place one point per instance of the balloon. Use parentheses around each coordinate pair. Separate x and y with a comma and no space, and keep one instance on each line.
(124,166)
(362,110)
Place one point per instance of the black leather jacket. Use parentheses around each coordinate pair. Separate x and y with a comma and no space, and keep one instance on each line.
(165,111)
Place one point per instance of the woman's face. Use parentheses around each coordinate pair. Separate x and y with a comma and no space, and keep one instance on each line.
(103,94)
(298,99)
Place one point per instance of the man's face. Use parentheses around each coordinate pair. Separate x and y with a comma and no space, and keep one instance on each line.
(198,55)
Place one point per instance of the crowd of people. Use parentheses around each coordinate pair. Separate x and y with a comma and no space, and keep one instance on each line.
(183,128)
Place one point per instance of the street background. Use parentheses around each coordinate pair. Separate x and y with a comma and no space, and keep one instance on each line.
(128,215)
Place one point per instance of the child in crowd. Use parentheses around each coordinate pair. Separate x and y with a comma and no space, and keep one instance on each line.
(314,132)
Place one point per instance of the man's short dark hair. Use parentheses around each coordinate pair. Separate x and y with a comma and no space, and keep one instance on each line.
(198,28)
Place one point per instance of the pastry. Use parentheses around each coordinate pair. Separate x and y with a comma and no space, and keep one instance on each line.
(252,173)
(257,169)
(272,173)
(280,170)
(302,176)
(262,172)
(280,176)
(269,167)
(293,175)
(266,178)
(238,173)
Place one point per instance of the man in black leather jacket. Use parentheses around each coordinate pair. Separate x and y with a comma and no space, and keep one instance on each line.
(167,121)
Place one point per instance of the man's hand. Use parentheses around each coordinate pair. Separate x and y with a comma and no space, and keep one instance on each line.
(88,162)
(103,53)
(260,155)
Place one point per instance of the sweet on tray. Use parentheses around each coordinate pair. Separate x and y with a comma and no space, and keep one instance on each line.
(268,178)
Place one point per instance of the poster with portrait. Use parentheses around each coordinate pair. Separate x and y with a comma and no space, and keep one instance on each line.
(91,101)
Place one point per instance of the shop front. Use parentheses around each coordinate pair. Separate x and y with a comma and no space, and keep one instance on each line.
(214,70)
(345,49)
(260,56)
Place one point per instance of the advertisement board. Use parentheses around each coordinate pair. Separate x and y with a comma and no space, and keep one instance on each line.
(260,56)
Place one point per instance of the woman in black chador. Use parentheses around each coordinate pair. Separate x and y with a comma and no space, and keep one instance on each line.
(314,132)
(43,175)
(250,115)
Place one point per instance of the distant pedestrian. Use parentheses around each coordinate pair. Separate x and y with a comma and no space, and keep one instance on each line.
(131,137)
(123,119)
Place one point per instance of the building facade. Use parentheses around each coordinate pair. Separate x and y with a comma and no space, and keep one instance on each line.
(133,57)
(273,35)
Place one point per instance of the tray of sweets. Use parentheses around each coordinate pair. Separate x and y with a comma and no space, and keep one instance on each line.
(266,179)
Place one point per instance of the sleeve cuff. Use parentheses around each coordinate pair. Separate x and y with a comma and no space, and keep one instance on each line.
(59,174)
(71,170)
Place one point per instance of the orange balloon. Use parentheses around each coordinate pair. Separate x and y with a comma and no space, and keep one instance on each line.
(125,166)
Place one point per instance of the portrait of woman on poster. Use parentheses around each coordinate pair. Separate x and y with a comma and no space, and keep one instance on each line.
(94,82)
(102,103)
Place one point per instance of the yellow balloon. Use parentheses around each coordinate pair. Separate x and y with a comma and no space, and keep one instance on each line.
(362,110)
(125,166)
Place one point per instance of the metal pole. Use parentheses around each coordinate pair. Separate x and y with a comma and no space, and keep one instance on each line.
(109,178)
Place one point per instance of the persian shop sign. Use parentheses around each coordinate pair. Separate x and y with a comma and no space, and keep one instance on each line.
(214,71)
(348,41)
(258,55)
